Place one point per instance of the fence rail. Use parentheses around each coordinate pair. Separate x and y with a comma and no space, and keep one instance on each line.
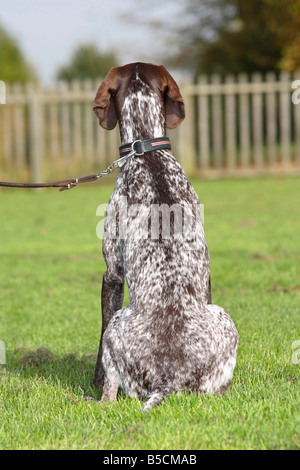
(234,125)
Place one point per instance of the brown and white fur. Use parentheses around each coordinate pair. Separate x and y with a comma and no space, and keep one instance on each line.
(170,337)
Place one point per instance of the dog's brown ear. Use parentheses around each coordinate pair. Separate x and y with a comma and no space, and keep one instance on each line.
(104,103)
(175,112)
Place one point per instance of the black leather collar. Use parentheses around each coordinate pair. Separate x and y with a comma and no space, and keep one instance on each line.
(143,146)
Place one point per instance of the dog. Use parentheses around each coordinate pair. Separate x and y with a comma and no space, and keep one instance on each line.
(170,338)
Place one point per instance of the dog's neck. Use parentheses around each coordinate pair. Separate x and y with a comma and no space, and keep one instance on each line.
(142,114)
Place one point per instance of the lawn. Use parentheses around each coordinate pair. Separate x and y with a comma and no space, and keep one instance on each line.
(50,284)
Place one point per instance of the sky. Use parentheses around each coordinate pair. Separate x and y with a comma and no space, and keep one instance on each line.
(49,30)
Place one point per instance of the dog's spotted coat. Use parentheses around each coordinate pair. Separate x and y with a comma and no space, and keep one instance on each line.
(170,337)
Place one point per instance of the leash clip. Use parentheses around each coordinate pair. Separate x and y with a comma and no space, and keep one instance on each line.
(133,153)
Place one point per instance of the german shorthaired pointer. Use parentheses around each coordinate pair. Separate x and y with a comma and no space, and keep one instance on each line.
(170,337)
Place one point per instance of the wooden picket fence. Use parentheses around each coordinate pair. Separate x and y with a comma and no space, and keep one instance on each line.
(247,126)
(233,126)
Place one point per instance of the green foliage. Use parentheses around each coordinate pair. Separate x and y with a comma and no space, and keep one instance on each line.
(231,36)
(13,65)
(87,62)
(262,35)
(50,278)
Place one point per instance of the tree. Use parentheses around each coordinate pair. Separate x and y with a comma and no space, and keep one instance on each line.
(230,36)
(285,24)
(262,35)
(245,42)
(13,65)
(87,62)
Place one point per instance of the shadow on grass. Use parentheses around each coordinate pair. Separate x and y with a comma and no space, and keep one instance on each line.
(69,370)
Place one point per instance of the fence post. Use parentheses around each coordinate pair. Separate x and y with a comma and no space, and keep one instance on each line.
(88,122)
(271,117)
(64,90)
(296,108)
(244,124)
(35,127)
(186,144)
(285,122)
(217,125)
(53,125)
(230,125)
(19,129)
(203,126)
(7,133)
(77,120)
(257,122)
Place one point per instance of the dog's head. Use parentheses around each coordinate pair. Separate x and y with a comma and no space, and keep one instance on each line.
(112,93)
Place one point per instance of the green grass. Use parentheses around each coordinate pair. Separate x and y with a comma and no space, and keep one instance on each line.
(50,283)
